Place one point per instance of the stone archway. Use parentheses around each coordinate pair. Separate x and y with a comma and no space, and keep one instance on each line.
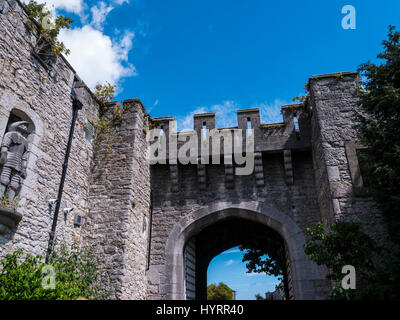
(226,234)
(307,278)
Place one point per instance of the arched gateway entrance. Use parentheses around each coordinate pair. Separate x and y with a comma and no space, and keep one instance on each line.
(186,265)
(225,234)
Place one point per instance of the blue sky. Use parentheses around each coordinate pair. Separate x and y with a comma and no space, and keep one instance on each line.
(229,269)
(183,56)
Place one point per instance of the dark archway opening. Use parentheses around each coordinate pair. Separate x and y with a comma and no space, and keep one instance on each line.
(223,235)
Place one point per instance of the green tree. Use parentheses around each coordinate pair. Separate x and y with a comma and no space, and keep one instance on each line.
(267,256)
(259,296)
(379,129)
(344,244)
(104,92)
(220,292)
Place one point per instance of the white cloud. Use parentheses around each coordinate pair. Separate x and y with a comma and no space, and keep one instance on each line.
(226,114)
(252,274)
(75,6)
(185,123)
(125,45)
(231,251)
(95,57)
(151,107)
(121,1)
(99,14)
(271,112)
(229,262)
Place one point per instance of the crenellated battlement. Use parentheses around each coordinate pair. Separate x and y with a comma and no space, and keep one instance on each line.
(244,116)
(293,132)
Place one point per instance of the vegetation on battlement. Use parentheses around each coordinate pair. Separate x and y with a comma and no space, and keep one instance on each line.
(48,28)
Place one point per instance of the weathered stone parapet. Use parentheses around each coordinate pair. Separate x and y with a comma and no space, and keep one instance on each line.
(267,137)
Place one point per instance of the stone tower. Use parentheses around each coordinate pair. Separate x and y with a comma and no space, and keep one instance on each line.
(118,218)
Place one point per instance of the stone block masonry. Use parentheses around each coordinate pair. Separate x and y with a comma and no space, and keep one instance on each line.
(307,178)
(29,92)
(333,101)
(119,214)
(120,200)
(141,217)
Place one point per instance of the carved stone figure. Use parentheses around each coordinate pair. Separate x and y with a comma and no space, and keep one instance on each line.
(13,159)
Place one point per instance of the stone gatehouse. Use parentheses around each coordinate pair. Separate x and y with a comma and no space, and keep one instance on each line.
(158,226)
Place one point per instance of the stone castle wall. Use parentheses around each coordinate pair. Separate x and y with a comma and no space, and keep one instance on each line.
(297,201)
(341,194)
(139,217)
(118,218)
(102,182)
(28,91)
(308,174)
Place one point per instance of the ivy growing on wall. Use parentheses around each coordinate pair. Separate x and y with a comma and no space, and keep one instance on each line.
(104,93)
(103,127)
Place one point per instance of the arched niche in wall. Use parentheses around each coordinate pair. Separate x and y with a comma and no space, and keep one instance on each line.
(13,112)
(18,115)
